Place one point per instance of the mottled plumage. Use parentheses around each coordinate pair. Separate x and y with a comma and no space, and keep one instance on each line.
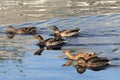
(22,30)
(85,55)
(51,42)
(95,63)
(64,33)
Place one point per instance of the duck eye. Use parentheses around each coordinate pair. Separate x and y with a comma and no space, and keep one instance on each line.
(90,54)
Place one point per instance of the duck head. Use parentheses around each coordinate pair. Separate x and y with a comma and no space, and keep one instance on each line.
(11,29)
(89,55)
(54,28)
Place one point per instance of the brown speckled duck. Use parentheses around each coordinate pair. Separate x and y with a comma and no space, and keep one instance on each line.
(22,30)
(51,42)
(85,55)
(64,33)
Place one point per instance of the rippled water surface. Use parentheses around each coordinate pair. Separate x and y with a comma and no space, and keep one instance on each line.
(99,21)
(19,11)
(99,33)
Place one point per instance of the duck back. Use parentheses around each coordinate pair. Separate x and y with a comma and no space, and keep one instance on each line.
(97,62)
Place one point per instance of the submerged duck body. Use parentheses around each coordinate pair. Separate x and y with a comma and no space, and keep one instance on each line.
(64,33)
(51,42)
(22,30)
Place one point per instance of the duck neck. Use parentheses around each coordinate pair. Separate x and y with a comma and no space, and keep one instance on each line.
(41,40)
(70,55)
(57,31)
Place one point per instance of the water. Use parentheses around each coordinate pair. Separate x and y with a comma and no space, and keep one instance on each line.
(99,33)
(20,11)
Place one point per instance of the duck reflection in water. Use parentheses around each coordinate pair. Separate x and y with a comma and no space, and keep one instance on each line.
(39,51)
(84,60)
(10,35)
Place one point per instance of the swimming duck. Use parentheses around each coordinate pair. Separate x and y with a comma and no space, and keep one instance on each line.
(51,43)
(22,30)
(85,55)
(64,33)
(95,63)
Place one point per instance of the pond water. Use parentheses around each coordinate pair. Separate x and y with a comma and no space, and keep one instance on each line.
(99,33)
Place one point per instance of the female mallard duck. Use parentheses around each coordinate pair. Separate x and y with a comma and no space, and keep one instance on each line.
(51,43)
(64,33)
(95,63)
(23,30)
(85,55)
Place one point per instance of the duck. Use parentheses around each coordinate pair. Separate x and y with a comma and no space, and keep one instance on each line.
(22,30)
(64,33)
(95,63)
(50,43)
(85,55)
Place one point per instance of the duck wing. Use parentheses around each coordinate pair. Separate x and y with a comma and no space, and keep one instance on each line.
(97,62)
(32,30)
(70,31)
(74,30)
(98,59)
(53,42)
(24,29)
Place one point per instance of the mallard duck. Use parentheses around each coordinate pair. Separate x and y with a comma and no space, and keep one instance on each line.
(22,30)
(64,33)
(95,63)
(85,55)
(51,42)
